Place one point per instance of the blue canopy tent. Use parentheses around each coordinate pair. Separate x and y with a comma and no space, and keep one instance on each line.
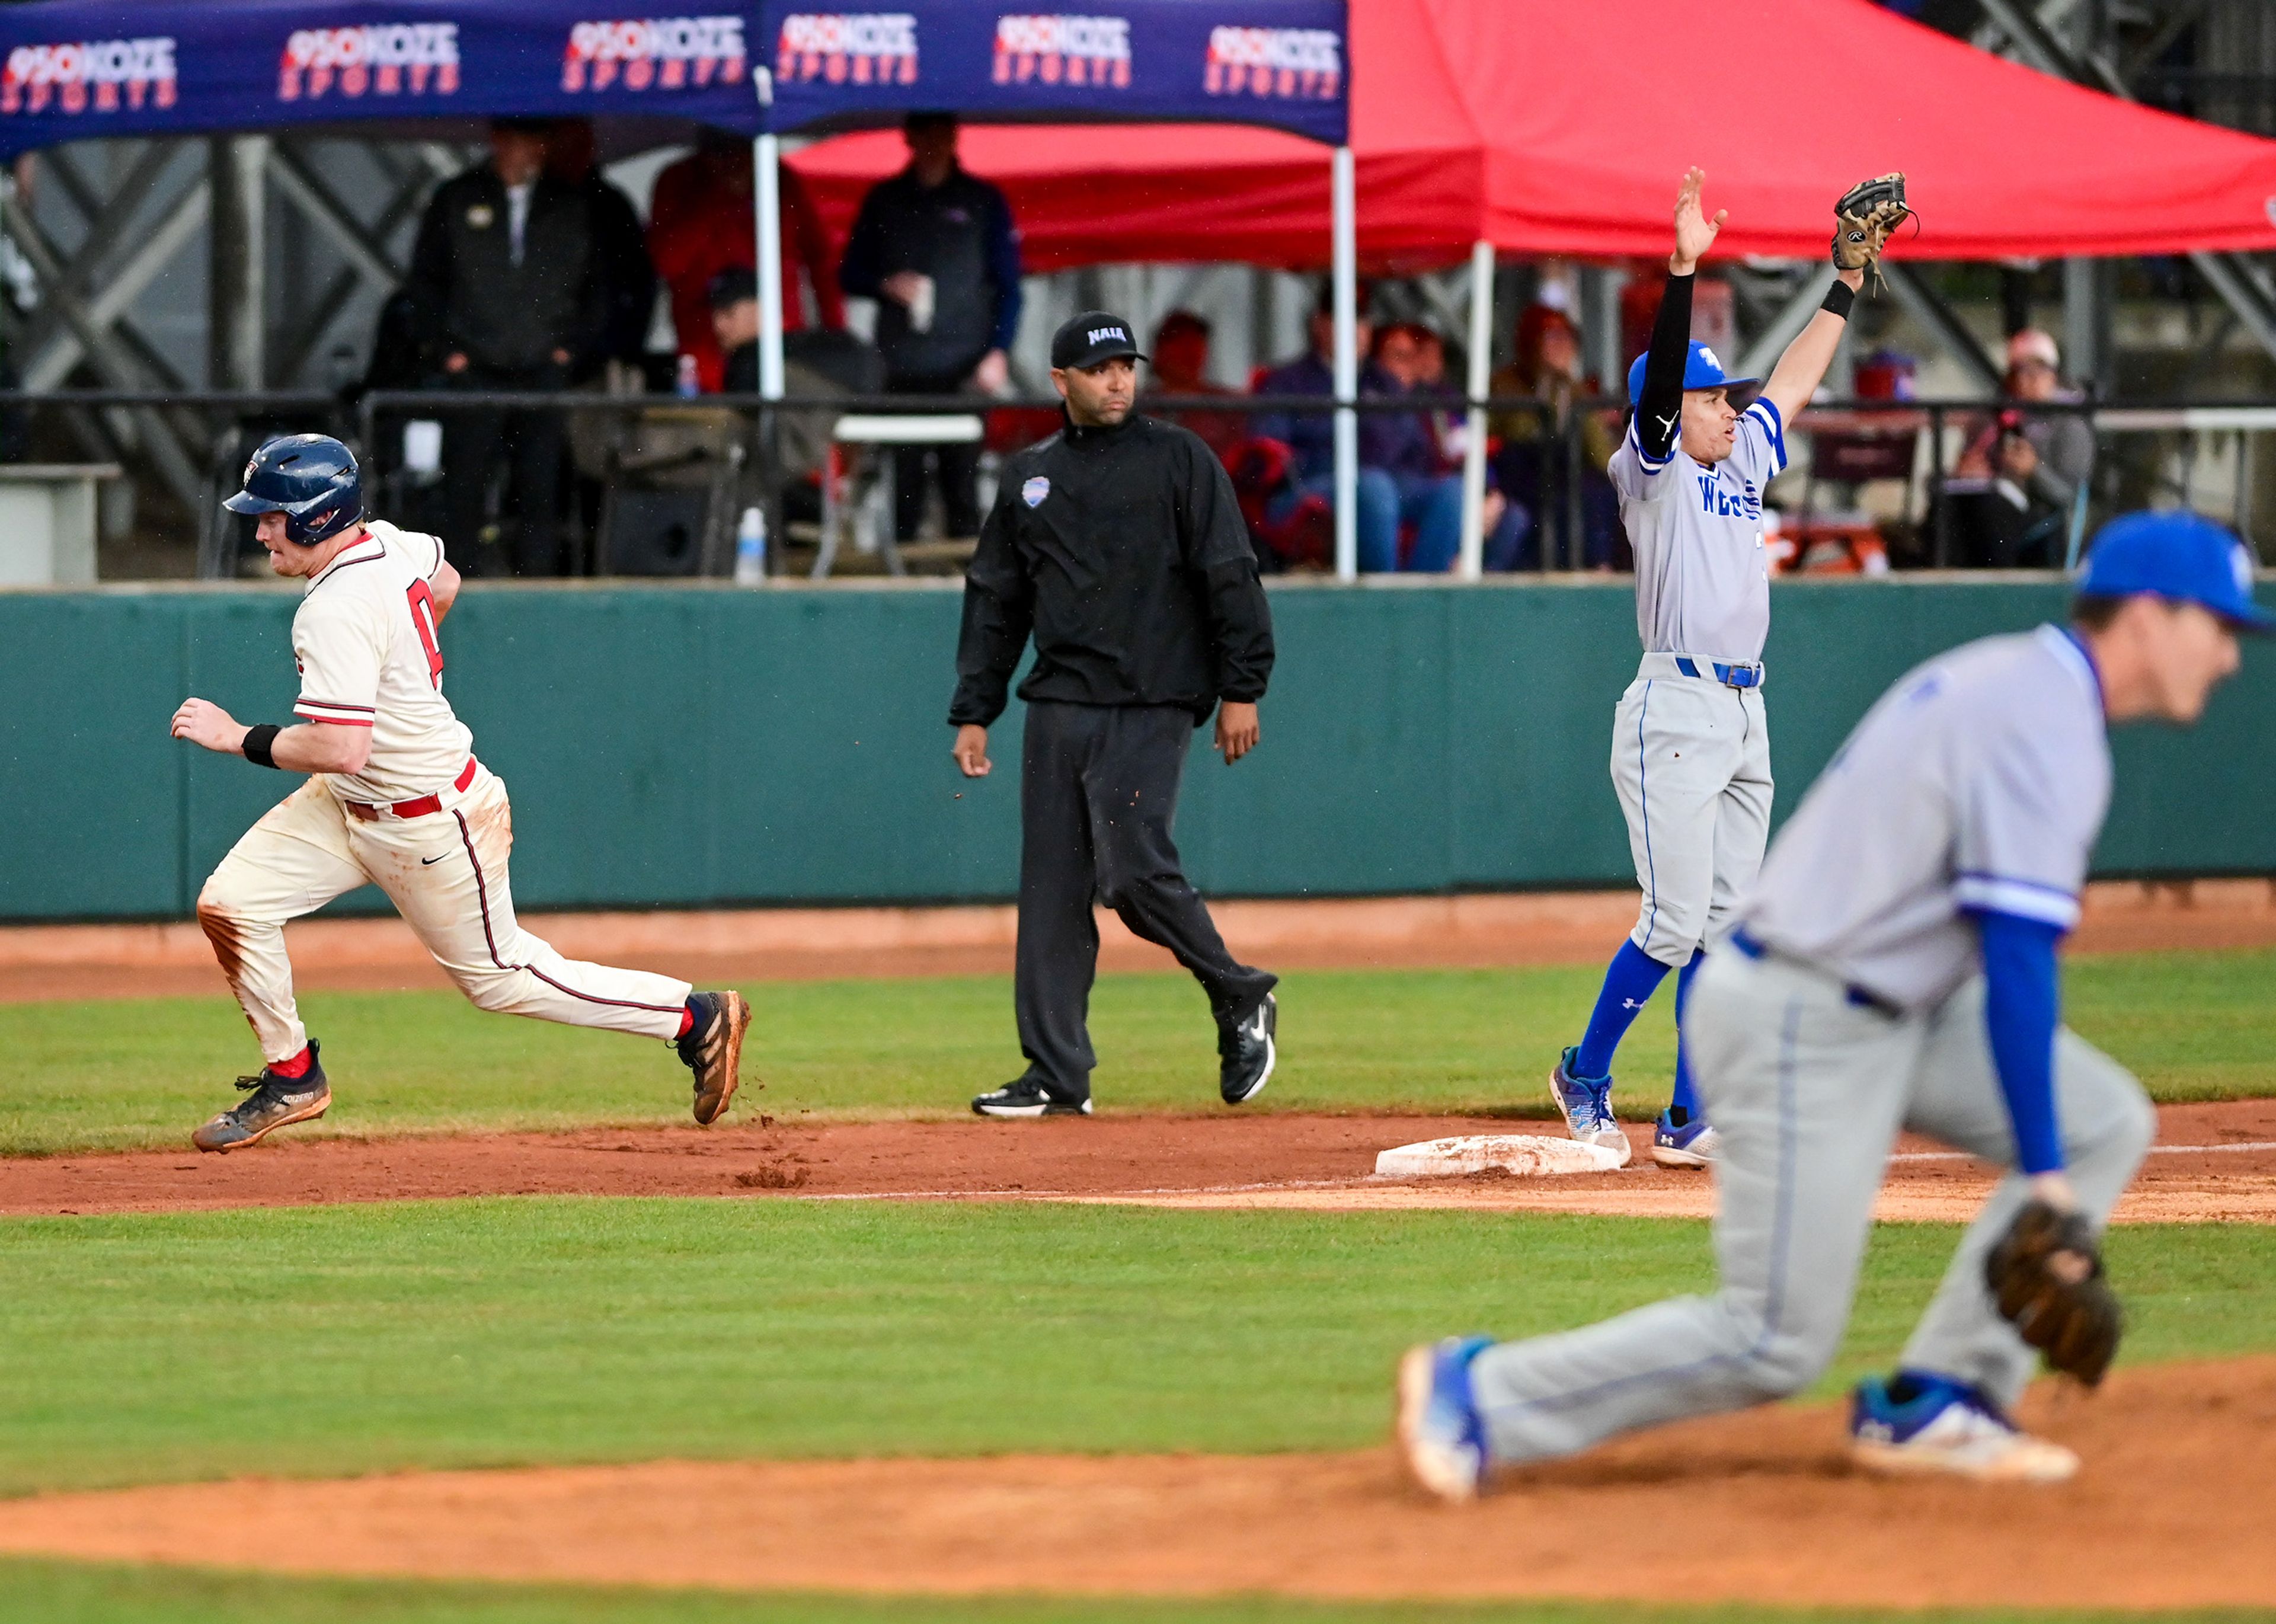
(1282,64)
(78,70)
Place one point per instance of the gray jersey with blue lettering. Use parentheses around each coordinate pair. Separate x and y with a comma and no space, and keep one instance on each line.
(1703,577)
(1979,782)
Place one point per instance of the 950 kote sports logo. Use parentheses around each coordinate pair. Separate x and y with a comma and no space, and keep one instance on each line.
(381,59)
(1060,49)
(842,47)
(661,53)
(1295,65)
(90,75)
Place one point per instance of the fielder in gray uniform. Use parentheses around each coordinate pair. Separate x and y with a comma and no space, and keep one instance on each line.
(1691,756)
(1895,968)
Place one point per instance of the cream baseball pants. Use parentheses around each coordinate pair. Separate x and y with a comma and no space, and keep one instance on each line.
(446,873)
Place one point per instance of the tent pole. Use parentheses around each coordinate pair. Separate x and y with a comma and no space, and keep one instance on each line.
(1346,260)
(1472,564)
(766,206)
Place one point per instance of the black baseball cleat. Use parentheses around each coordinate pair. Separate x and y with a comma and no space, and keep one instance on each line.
(1245,1052)
(276,1102)
(1024,1097)
(713,1050)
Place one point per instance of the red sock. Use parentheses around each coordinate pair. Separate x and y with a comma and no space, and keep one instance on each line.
(297,1067)
(687,1022)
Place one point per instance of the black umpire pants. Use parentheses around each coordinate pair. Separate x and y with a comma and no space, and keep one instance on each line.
(1098,789)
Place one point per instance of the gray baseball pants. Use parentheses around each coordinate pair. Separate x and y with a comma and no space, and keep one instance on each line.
(1809,1091)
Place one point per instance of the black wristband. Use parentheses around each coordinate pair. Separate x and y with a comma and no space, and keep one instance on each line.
(258,742)
(1840,297)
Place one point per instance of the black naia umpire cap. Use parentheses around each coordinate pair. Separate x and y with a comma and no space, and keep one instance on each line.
(1093,336)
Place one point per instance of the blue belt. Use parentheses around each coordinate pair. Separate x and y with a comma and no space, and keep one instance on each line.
(1863,998)
(1729,676)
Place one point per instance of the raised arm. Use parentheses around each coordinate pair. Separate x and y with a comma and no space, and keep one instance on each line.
(1659,403)
(1803,367)
(1864,219)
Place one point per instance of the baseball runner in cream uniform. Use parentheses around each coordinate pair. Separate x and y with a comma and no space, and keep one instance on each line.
(396,798)
(1691,756)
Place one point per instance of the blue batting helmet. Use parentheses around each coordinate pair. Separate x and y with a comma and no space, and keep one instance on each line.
(312,479)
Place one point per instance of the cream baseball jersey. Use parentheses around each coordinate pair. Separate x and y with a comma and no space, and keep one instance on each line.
(366,641)
(1703,576)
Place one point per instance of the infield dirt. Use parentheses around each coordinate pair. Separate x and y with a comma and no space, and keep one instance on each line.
(2216,1162)
(2170,1511)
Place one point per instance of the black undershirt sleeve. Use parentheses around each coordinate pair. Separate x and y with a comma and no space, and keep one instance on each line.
(1659,406)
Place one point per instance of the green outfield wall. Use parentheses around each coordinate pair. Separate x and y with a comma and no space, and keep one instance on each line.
(703,746)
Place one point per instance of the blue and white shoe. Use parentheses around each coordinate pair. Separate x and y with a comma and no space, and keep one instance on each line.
(1440,1435)
(1695,1144)
(1587,1103)
(1948,1426)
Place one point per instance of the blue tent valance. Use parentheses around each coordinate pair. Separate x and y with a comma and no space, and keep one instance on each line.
(74,70)
(1280,63)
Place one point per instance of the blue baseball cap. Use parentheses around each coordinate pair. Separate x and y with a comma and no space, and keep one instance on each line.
(1701,370)
(2180,556)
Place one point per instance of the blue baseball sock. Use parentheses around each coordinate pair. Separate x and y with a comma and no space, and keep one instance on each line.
(1632,978)
(1684,1104)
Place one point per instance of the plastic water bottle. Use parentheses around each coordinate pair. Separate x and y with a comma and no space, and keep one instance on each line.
(690,381)
(751,549)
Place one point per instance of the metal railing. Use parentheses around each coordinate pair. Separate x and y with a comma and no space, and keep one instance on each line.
(224,426)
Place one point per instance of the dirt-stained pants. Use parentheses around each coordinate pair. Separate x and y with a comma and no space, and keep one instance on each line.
(1809,1091)
(446,873)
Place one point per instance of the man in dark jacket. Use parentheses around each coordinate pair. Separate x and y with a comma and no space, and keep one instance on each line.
(1118,543)
(506,293)
(620,244)
(936,248)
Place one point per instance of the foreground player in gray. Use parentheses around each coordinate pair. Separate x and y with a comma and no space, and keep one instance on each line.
(1894,968)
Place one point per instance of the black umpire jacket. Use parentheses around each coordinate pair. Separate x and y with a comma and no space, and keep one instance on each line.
(1124,551)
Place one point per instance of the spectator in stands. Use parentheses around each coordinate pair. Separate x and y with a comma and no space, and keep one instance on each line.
(1178,365)
(1310,435)
(505,293)
(1422,453)
(936,247)
(2040,462)
(620,252)
(700,223)
(734,300)
(1531,464)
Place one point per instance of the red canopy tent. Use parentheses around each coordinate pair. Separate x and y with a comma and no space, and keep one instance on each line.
(1547,128)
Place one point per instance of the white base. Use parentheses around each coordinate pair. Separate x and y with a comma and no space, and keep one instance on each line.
(1527,1155)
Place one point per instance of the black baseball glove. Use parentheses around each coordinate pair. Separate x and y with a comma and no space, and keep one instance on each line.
(1868,213)
(2046,1276)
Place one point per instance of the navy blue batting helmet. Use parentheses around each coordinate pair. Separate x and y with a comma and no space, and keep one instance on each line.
(312,479)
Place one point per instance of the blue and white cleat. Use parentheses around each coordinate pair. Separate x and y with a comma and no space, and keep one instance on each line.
(1695,1144)
(1947,1426)
(1587,1104)
(1440,1435)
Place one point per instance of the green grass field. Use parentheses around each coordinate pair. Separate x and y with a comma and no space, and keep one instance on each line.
(514,1330)
(62,1593)
(121,1074)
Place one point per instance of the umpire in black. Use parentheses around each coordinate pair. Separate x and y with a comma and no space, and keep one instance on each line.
(1118,543)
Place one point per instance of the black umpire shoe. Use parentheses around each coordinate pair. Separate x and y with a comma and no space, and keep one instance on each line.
(1245,1052)
(276,1102)
(1024,1097)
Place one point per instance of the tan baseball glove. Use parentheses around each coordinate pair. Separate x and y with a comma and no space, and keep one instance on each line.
(1868,213)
